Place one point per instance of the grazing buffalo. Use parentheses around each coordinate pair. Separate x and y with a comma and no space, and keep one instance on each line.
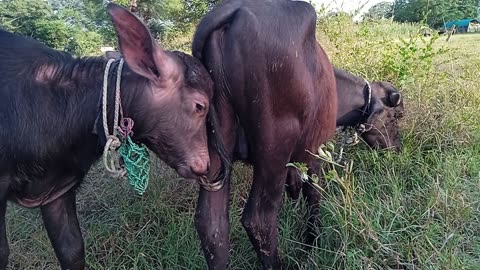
(51,114)
(274,84)
(373,109)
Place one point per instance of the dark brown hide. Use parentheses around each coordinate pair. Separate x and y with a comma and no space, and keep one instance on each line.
(51,121)
(275,83)
(379,115)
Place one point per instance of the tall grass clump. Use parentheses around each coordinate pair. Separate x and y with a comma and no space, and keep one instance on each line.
(417,209)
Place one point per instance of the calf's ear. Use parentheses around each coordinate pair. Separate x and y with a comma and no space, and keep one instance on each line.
(141,52)
(395,99)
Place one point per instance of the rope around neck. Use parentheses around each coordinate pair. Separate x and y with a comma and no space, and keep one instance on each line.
(369,97)
(110,156)
(135,157)
(350,134)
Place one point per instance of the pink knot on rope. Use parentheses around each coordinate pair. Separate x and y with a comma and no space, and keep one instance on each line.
(126,127)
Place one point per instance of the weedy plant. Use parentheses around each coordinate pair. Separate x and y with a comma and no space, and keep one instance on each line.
(341,210)
(328,164)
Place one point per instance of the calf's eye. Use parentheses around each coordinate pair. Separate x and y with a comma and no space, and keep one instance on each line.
(200,108)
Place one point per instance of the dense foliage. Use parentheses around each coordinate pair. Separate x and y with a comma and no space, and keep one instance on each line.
(82,26)
(68,25)
(435,12)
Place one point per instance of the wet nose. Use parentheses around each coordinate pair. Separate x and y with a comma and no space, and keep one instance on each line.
(200,167)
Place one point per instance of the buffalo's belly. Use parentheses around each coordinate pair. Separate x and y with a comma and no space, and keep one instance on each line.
(34,184)
(37,193)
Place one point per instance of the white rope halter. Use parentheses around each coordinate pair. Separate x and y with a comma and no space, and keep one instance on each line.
(113,142)
(350,134)
(369,97)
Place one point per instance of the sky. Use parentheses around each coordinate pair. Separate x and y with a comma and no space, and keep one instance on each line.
(348,5)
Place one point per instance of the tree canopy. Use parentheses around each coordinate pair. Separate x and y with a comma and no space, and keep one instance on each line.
(380,11)
(83,26)
(434,12)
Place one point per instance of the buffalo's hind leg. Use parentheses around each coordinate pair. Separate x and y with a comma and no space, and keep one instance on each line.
(61,222)
(4,251)
(310,193)
(293,185)
(260,216)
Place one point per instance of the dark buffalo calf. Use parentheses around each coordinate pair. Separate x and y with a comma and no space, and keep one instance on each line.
(274,84)
(375,107)
(378,114)
(50,136)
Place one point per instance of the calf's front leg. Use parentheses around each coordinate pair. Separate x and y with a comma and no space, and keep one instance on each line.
(212,219)
(212,213)
(61,222)
(213,226)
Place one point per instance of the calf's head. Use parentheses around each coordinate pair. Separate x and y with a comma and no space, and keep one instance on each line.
(167,95)
(381,129)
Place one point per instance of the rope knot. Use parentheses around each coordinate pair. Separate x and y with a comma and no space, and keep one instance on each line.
(111,158)
(362,128)
(113,142)
(126,127)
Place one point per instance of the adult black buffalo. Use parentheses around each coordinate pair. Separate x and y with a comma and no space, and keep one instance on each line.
(275,84)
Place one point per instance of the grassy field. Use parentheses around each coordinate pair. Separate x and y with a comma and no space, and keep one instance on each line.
(419,209)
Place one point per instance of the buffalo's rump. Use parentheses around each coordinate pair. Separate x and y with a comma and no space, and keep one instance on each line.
(275,75)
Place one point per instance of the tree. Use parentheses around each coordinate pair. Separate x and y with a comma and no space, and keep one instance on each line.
(69,25)
(380,11)
(478,8)
(83,26)
(434,12)
(34,18)
(168,16)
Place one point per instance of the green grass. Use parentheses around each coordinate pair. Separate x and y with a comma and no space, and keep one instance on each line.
(419,209)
